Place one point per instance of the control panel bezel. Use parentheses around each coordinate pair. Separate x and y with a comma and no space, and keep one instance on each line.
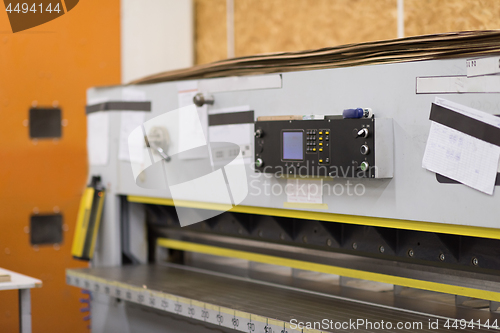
(338,139)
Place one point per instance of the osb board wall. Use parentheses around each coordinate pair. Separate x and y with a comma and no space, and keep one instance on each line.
(210,30)
(262,26)
(434,16)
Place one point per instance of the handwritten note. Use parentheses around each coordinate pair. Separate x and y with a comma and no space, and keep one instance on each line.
(459,156)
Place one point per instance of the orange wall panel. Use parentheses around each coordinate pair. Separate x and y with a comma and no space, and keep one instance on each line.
(56,61)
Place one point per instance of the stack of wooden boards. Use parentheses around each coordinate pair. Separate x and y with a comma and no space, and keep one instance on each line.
(428,47)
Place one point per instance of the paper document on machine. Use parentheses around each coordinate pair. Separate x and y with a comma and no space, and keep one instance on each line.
(129,121)
(98,134)
(191,135)
(458,155)
(235,125)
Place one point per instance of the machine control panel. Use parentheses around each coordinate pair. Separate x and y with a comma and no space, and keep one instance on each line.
(330,147)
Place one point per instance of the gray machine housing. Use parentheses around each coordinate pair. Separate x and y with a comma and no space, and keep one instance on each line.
(413,193)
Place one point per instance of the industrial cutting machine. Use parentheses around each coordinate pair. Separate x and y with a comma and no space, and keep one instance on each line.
(323,199)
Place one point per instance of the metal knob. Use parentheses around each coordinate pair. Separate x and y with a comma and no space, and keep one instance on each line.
(200,99)
(363,133)
(364,149)
(259,162)
(364,166)
(259,133)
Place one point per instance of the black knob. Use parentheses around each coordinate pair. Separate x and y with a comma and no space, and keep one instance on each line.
(259,133)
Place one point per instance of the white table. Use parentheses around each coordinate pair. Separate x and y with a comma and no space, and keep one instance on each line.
(23,283)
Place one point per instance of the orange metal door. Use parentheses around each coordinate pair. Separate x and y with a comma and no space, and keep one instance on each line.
(53,63)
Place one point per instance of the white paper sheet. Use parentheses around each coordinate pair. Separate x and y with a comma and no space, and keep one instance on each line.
(98,138)
(129,120)
(460,156)
(469,112)
(240,134)
(483,66)
(190,131)
(239,83)
(186,90)
(304,191)
(131,151)
(458,84)
(240,108)
(133,94)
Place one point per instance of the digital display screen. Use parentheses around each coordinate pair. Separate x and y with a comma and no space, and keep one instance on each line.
(293,148)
